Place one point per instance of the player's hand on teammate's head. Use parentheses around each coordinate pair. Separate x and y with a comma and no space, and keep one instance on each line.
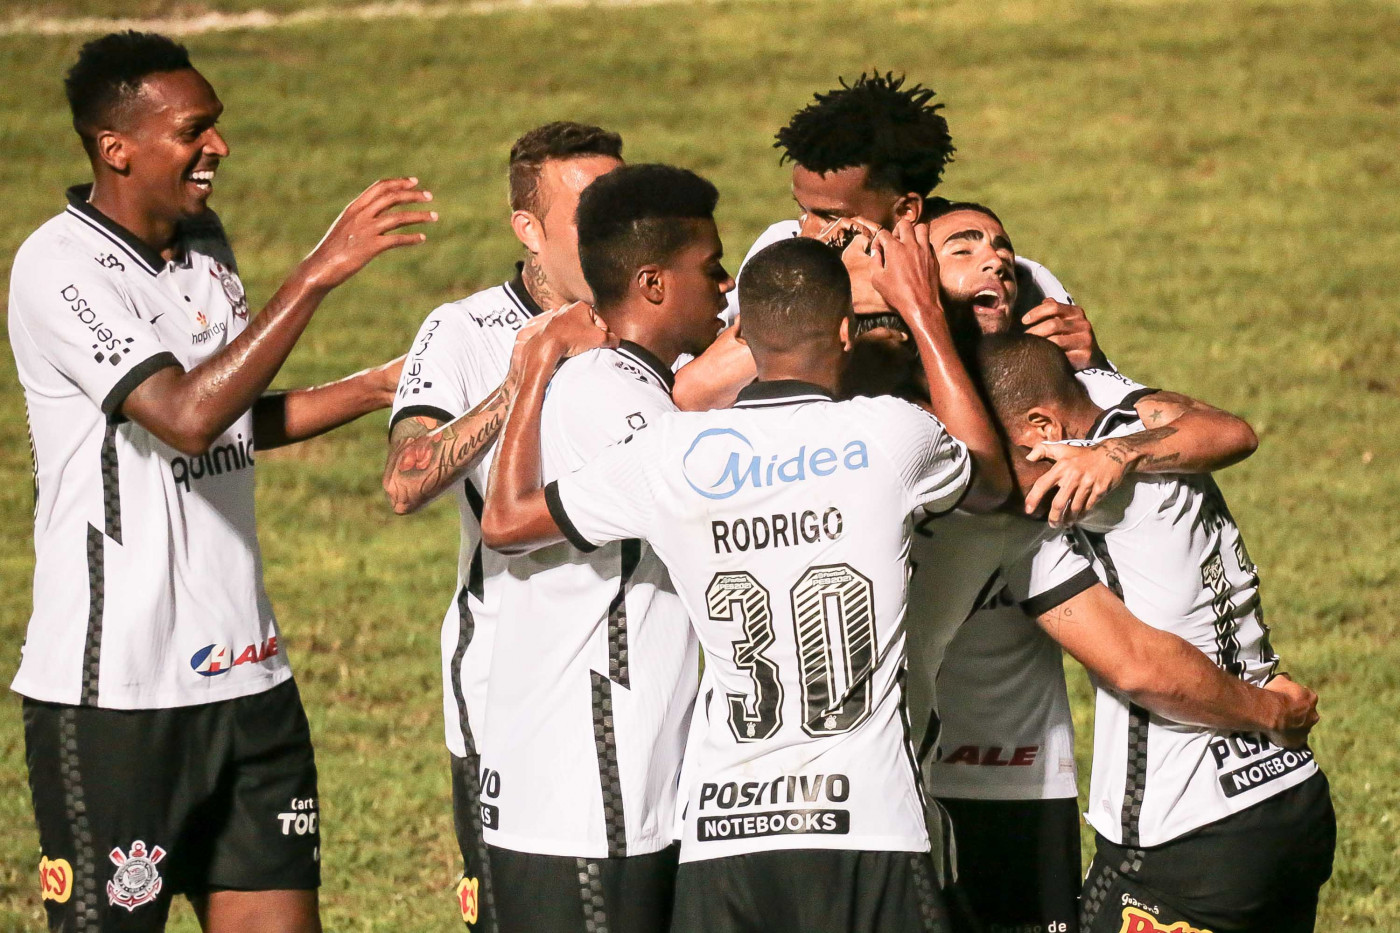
(1081,475)
(904,271)
(1067,327)
(1300,713)
(365,229)
(574,329)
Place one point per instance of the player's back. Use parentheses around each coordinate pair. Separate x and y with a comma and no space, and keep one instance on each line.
(785,524)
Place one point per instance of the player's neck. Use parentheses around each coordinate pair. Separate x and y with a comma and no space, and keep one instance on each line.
(823,370)
(539,286)
(155,231)
(1080,420)
(643,330)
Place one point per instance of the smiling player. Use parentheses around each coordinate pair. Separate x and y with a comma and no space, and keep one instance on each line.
(167,747)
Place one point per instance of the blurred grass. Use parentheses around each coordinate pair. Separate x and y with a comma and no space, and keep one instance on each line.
(1216,183)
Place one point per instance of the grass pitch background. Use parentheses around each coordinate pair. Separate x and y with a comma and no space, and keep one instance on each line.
(1216,184)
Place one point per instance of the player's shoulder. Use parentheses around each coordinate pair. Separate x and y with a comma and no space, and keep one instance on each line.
(54,244)
(618,371)
(1038,283)
(782,230)
(886,412)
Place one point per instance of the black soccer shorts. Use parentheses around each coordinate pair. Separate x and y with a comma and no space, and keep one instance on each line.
(134,806)
(1258,870)
(476,888)
(810,891)
(1018,863)
(562,894)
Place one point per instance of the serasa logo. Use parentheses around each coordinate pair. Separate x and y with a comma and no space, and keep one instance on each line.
(721,462)
(212,660)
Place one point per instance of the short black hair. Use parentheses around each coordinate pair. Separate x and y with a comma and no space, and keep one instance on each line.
(792,291)
(893,130)
(938,207)
(108,73)
(635,215)
(1021,371)
(560,140)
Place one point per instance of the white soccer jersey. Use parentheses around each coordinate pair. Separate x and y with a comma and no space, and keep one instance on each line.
(594,670)
(1170,547)
(147,580)
(460,356)
(785,523)
(1000,564)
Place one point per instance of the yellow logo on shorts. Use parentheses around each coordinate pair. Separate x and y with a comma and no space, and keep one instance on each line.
(55,880)
(467,890)
(1137,921)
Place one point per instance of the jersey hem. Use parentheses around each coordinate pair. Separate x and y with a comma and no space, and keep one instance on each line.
(775,844)
(993,794)
(565,849)
(37,693)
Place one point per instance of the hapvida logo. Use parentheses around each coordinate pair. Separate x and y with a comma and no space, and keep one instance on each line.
(212,660)
(721,462)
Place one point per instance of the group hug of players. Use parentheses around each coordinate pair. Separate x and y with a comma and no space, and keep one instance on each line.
(879,484)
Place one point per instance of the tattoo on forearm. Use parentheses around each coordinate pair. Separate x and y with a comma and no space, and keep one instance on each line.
(1119,449)
(424,463)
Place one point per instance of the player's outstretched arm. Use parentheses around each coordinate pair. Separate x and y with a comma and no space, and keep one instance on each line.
(295,415)
(516,517)
(1182,435)
(427,456)
(189,410)
(1168,676)
(905,273)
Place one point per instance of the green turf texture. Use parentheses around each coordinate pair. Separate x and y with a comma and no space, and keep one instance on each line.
(1216,183)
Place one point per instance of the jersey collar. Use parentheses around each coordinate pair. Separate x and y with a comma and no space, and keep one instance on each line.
(780,392)
(644,357)
(149,259)
(520,294)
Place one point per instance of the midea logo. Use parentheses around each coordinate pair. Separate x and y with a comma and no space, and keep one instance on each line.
(721,461)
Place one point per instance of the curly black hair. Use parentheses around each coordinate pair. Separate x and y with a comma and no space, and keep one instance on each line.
(877,122)
(109,72)
(634,215)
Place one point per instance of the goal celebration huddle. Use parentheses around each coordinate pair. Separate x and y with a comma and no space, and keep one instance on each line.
(765,581)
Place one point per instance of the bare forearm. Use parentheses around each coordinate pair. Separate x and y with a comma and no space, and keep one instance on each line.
(714,378)
(281,418)
(190,409)
(1196,442)
(423,462)
(955,402)
(516,516)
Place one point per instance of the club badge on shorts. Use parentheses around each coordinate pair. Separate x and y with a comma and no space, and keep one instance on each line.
(55,880)
(136,881)
(467,892)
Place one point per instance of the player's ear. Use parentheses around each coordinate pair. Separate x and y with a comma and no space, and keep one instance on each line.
(846,342)
(1044,425)
(909,207)
(529,230)
(113,149)
(651,283)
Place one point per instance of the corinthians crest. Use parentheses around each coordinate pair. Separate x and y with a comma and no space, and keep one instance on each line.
(136,880)
(233,290)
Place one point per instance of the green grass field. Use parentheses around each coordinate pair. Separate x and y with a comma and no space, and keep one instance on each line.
(1216,183)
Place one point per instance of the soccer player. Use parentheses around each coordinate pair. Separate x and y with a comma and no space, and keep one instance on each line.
(785,524)
(165,739)
(593,672)
(1198,827)
(452,399)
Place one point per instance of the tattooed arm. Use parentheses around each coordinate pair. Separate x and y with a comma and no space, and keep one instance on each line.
(1170,677)
(1182,435)
(426,457)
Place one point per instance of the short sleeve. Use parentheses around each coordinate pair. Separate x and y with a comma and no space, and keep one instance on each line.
(611,498)
(1047,572)
(437,375)
(935,466)
(87,328)
(782,230)
(1037,283)
(594,402)
(1110,389)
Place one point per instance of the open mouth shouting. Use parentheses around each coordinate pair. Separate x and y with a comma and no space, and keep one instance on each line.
(201,179)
